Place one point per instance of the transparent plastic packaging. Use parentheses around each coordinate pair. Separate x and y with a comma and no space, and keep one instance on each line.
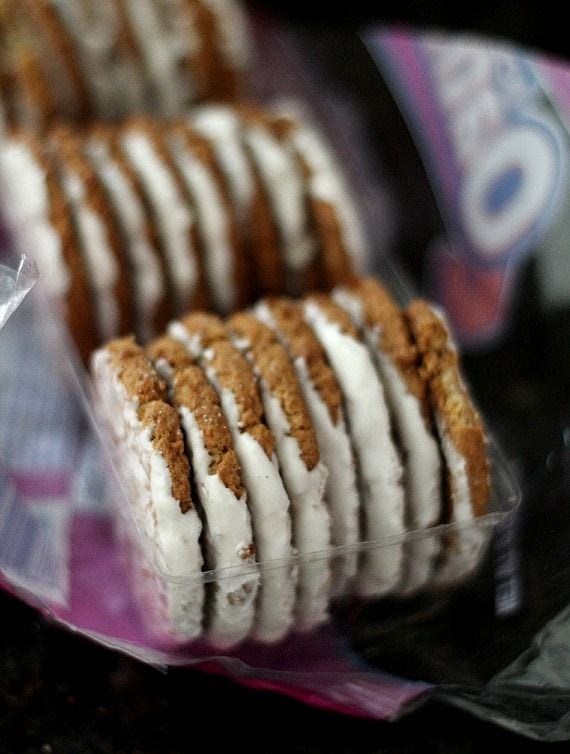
(70,544)
(35,344)
(431,563)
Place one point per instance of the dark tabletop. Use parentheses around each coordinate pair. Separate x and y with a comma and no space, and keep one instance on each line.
(61,694)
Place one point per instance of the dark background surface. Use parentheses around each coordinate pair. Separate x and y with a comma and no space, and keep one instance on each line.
(539,25)
(60,693)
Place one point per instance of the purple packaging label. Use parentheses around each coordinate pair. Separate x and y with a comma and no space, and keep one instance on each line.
(491,126)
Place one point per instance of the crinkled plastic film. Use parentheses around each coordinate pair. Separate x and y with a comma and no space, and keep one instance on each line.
(70,546)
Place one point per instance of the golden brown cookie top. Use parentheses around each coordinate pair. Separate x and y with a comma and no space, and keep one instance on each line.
(272,364)
(451,401)
(135,370)
(191,390)
(384,317)
(431,336)
(31,90)
(208,328)
(170,350)
(168,440)
(302,343)
(136,373)
(233,373)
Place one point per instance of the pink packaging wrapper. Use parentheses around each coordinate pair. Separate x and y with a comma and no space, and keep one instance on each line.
(58,550)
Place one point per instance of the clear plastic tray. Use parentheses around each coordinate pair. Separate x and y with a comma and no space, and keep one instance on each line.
(38,358)
(63,498)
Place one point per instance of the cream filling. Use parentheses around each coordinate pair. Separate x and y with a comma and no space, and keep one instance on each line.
(175,218)
(310,516)
(221,126)
(146,270)
(326,184)
(159,54)
(25,203)
(379,465)
(465,546)
(423,464)
(283,182)
(169,538)
(269,507)
(179,28)
(228,537)
(102,267)
(334,445)
(213,223)
(341,492)
(233,32)
(26,197)
(456,464)
(267,497)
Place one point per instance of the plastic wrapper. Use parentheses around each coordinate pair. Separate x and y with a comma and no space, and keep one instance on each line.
(69,545)
(61,510)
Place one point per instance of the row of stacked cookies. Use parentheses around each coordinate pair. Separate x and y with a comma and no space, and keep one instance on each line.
(135,223)
(297,427)
(83,59)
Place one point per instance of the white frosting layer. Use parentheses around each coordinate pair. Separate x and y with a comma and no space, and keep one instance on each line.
(461,508)
(169,537)
(463,547)
(423,465)
(311,520)
(269,507)
(24,190)
(233,33)
(283,182)
(221,126)
(94,32)
(161,56)
(228,536)
(214,226)
(326,184)
(147,274)
(341,489)
(379,466)
(26,206)
(192,341)
(102,267)
(336,453)
(174,216)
